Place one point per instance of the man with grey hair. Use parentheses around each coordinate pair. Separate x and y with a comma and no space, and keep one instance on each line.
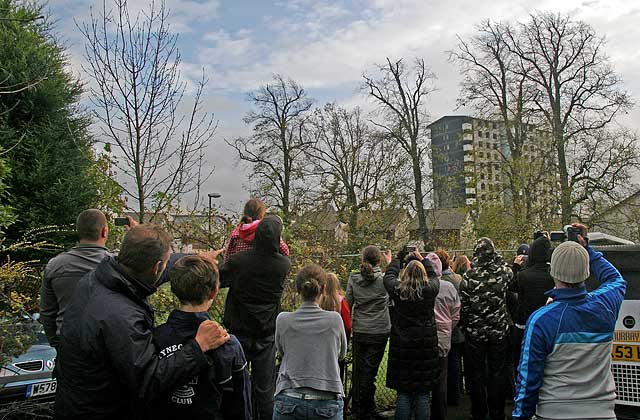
(65,270)
(565,366)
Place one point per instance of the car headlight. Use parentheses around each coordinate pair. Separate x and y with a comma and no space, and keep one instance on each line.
(4,371)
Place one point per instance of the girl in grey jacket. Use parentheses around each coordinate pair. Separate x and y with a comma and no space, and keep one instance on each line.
(369,304)
(311,342)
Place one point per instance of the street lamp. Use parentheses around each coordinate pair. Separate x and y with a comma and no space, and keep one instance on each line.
(212,195)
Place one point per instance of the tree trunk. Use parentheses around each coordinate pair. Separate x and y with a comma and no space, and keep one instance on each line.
(141,198)
(565,190)
(352,205)
(286,205)
(422,217)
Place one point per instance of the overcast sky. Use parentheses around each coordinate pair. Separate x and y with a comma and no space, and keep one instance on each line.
(325,45)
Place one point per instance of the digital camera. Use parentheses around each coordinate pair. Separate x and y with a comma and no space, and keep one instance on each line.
(569,233)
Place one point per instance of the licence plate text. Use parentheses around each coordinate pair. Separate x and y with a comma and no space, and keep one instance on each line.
(42,388)
(625,353)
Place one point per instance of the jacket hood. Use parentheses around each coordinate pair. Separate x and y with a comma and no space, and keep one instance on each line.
(113,276)
(540,251)
(485,253)
(435,263)
(362,281)
(268,233)
(247,231)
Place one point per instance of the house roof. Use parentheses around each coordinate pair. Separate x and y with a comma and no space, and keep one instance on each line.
(627,200)
(441,219)
(386,219)
(325,219)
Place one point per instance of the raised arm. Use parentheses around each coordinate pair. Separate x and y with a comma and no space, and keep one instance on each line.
(612,285)
(390,279)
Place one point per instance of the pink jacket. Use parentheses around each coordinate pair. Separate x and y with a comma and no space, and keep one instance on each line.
(447,308)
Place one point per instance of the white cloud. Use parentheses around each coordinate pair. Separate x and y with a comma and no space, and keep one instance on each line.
(229,49)
(327,44)
(337,55)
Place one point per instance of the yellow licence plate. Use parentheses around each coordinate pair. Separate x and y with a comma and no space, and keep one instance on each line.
(625,353)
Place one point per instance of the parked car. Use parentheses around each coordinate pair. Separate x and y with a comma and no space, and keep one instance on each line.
(29,376)
(625,353)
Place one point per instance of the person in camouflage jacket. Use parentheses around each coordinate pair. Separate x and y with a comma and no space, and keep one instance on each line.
(485,323)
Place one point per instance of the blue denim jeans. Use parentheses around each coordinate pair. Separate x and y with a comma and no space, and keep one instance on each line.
(405,402)
(290,408)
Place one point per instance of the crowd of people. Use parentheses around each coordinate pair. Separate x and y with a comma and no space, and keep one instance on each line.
(527,331)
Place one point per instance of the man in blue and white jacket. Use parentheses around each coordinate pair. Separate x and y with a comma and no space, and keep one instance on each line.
(565,366)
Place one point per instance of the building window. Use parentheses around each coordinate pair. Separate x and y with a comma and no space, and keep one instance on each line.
(495,136)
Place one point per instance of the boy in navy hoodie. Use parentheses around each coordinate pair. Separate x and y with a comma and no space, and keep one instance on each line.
(222,391)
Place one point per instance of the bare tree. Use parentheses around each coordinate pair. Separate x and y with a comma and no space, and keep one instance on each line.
(277,143)
(498,90)
(139,96)
(400,93)
(357,165)
(601,170)
(577,91)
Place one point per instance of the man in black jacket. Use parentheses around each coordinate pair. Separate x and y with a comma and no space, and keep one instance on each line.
(65,270)
(531,284)
(108,362)
(256,280)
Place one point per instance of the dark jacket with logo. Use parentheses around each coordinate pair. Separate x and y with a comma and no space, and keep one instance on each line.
(220,392)
(255,279)
(59,283)
(108,361)
(413,364)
